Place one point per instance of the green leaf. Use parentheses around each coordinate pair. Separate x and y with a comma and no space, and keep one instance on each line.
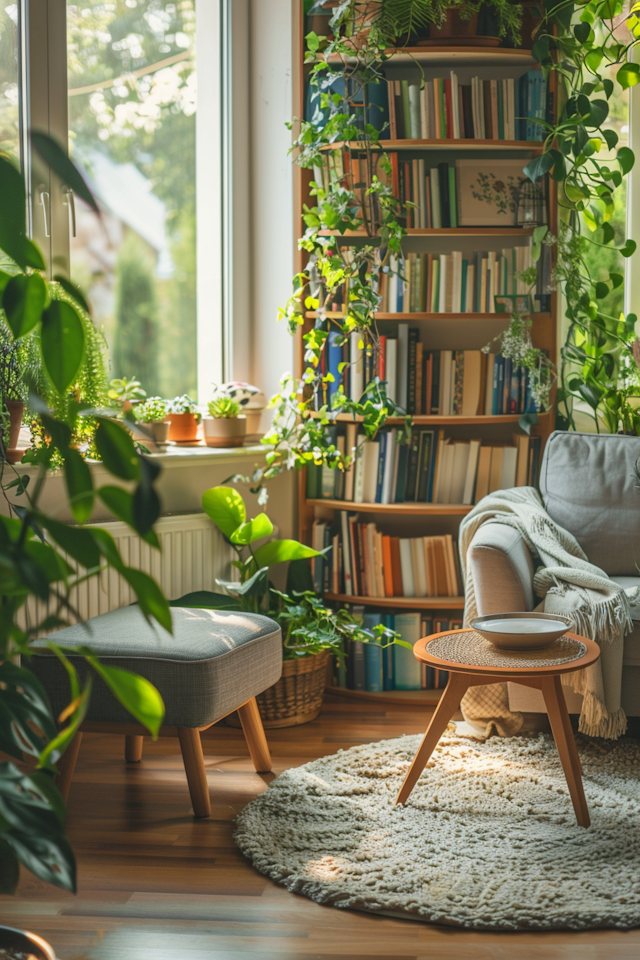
(56,157)
(73,290)
(120,502)
(9,869)
(591,393)
(581,32)
(146,502)
(255,585)
(151,599)
(626,158)
(537,167)
(135,693)
(62,344)
(78,542)
(52,563)
(246,533)
(527,421)
(611,137)
(617,279)
(225,507)
(601,290)
(26,720)
(628,75)
(629,248)
(598,113)
(79,485)
(279,551)
(13,221)
(117,449)
(608,233)
(23,301)
(206,599)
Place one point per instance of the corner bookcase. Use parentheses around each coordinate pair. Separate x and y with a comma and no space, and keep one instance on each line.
(438,331)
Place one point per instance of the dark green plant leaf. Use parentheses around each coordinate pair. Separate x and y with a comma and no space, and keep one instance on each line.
(626,158)
(537,167)
(599,112)
(591,393)
(611,137)
(120,503)
(207,600)
(56,157)
(23,301)
(581,32)
(62,344)
(73,290)
(79,485)
(629,248)
(9,869)
(601,290)
(13,222)
(76,541)
(151,599)
(225,506)
(146,502)
(26,720)
(117,449)
(608,233)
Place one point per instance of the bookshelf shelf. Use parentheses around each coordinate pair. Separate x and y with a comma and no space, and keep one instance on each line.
(529,146)
(408,697)
(437,56)
(397,509)
(441,232)
(424,420)
(502,317)
(401,603)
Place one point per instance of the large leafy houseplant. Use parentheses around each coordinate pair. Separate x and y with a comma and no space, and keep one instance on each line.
(43,557)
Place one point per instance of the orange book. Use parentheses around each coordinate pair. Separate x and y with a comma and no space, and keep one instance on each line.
(387,562)
(396,569)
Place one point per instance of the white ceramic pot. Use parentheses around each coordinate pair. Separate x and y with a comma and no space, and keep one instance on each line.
(254,418)
(25,944)
(224,431)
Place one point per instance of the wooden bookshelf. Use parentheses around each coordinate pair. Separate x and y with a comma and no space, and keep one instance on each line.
(457,331)
(401,603)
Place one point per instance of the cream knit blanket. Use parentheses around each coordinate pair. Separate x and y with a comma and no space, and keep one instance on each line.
(569,584)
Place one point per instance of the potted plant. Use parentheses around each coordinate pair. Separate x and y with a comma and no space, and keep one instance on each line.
(252,403)
(184,418)
(151,416)
(311,631)
(23,945)
(126,393)
(224,427)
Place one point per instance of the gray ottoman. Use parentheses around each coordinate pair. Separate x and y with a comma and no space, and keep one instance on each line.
(214,663)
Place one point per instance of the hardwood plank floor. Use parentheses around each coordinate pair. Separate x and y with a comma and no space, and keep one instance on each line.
(156,885)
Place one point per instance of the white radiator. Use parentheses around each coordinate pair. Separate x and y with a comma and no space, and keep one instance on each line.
(193,554)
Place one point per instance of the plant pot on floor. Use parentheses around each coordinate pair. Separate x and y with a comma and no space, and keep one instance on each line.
(15,409)
(22,944)
(297,696)
(183,427)
(224,431)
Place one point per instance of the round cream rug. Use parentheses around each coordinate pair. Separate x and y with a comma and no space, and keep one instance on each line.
(487,840)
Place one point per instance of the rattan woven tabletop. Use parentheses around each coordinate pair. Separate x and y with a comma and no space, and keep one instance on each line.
(469,649)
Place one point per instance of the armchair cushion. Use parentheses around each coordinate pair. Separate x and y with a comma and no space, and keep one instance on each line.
(502,569)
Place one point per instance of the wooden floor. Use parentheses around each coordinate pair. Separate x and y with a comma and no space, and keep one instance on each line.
(156,885)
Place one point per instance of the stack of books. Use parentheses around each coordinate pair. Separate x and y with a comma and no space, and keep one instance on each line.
(444,108)
(431,468)
(374,669)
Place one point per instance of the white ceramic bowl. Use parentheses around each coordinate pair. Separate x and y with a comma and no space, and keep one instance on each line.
(521,631)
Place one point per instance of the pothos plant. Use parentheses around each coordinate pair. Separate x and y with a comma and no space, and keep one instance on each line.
(43,558)
(588,46)
(339,286)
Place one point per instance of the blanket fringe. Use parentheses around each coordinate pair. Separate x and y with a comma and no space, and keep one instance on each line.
(607,725)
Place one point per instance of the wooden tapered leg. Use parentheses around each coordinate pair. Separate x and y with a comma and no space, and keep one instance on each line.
(193,758)
(449,703)
(255,736)
(563,735)
(133,748)
(67,764)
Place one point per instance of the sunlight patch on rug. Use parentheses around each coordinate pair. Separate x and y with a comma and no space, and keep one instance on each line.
(487,840)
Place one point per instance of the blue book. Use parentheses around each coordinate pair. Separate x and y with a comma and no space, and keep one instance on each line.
(498,377)
(334,351)
(372,656)
(382,455)
(506,386)
(388,681)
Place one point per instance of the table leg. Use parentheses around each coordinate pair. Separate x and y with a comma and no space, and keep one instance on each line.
(563,734)
(449,703)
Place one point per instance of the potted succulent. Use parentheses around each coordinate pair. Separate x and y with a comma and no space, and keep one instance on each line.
(151,416)
(184,418)
(311,631)
(224,427)
(252,402)
(125,393)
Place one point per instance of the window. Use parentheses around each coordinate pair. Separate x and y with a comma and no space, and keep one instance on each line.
(117,81)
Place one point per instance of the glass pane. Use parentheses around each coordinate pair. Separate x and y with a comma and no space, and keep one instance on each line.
(9,76)
(132,102)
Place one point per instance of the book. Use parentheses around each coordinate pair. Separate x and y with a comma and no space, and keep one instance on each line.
(372,655)
(406,667)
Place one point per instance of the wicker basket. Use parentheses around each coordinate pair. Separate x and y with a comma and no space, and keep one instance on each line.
(297,696)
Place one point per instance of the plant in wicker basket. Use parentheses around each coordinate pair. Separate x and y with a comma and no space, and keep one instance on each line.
(311,631)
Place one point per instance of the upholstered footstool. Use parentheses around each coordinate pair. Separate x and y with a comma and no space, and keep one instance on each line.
(214,663)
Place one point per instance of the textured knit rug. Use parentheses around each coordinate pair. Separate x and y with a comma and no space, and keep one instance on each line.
(487,840)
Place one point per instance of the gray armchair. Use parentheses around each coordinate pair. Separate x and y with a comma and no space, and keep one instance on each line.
(588,485)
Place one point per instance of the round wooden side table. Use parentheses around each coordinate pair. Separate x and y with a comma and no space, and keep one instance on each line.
(473,661)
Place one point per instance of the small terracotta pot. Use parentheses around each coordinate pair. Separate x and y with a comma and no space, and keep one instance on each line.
(453,28)
(24,943)
(16,409)
(224,431)
(183,427)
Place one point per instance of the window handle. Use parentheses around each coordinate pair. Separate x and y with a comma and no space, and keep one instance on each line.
(45,200)
(70,201)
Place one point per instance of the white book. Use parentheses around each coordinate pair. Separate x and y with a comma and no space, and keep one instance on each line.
(346,553)
(414,110)
(424,121)
(406,567)
(446,357)
(481,117)
(509,466)
(472,469)
(389,465)
(434,182)
(459,473)
(422,192)
(370,470)
(471,286)
(392,286)
(511,109)
(356,368)
(488,387)
(402,365)
(455,106)
(391,367)
(456,263)
(444,269)
(349,480)
(446,473)
(474,108)
(407,670)
(419,567)
(358,480)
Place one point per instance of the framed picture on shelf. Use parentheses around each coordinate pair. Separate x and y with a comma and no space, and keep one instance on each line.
(487,192)
(510,303)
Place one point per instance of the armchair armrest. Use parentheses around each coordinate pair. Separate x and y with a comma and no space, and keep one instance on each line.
(502,569)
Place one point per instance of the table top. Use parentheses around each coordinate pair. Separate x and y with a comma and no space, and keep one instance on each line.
(466,651)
